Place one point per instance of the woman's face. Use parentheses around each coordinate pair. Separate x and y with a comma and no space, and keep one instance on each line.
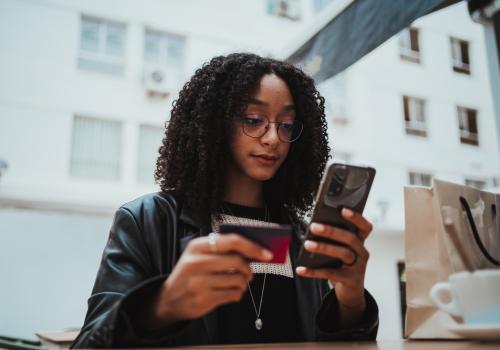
(259,158)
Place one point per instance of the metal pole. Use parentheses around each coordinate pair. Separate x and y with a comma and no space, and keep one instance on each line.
(487,12)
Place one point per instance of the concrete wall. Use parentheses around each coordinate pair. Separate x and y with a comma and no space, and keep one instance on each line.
(48,262)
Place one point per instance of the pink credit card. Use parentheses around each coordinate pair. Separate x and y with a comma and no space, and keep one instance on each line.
(275,238)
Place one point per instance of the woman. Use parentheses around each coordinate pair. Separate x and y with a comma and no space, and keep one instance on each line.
(246,143)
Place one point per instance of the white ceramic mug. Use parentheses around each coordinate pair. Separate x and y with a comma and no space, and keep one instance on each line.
(474,296)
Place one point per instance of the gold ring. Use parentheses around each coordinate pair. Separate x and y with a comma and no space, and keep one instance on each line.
(212,241)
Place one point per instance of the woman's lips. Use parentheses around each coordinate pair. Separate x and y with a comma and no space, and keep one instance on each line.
(265,160)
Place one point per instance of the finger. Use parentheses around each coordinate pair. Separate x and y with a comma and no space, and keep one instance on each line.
(227,281)
(217,263)
(228,264)
(346,255)
(234,243)
(365,226)
(347,238)
(334,275)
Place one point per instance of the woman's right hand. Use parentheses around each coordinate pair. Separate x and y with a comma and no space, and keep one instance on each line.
(210,272)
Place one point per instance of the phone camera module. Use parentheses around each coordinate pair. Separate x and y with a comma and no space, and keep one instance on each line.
(336,187)
(340,173)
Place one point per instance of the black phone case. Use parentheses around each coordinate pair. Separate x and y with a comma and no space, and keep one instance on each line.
(324,213)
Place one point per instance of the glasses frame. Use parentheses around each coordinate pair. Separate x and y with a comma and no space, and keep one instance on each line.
(266,128)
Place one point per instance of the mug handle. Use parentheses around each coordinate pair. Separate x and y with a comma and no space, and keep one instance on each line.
(438,291)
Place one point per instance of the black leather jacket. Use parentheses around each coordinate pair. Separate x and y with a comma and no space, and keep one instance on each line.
(145,241)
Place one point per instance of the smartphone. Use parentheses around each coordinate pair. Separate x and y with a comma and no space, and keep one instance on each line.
(275,238)
(342,186)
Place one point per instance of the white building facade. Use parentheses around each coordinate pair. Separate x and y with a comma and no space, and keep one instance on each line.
(416,108)
(85,90)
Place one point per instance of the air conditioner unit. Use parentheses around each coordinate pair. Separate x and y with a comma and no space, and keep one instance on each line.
(288,9)
(340,119)
(158,81)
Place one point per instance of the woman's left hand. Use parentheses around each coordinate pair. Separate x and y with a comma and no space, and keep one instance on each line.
(349,279)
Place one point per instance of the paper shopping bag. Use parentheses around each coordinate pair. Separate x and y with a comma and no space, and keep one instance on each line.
(448,228)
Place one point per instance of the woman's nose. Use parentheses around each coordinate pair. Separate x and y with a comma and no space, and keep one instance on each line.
(271,134)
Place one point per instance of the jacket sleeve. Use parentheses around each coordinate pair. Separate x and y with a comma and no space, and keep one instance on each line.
(328,321)
(328,316)
(125,277)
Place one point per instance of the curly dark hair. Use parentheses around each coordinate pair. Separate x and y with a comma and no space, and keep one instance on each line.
(195,150)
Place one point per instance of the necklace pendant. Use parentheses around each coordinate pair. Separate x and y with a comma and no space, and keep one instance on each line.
(258,324)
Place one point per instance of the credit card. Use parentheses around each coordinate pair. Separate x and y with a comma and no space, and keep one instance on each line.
(275,238)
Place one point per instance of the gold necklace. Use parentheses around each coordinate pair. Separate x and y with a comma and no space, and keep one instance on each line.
(258,321)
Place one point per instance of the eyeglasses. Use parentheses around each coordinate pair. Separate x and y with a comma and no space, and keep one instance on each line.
(257,125)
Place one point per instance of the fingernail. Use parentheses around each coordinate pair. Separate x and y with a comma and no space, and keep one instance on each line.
(300,269)
(311,244)
(317,227)
(347,212)
(267,254)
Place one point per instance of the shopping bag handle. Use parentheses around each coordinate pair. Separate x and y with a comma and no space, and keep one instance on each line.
(479,242)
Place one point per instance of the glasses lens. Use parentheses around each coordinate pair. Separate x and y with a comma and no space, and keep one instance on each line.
(290,131)
(254,125)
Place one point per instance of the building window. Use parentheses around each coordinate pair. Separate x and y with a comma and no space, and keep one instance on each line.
(496,182)
(467,121)
(479,184)
(163,49)
(102,45)
(284,8)
(149,142)
(460,55)
(319,5)
(420,179)
(409,48)
(414,112)
(96,148)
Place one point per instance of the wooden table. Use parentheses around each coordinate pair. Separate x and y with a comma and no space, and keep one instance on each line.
(379,345)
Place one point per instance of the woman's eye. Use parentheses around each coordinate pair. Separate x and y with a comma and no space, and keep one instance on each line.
(252,120)
(287,126)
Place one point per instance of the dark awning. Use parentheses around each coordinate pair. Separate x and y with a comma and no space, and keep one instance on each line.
(358,29)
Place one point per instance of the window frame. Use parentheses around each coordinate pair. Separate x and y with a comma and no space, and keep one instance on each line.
(459,65)
(414,175)
(407,52)
(76,159)
(413,126)
(467,137)
(165,38)
(473,182)
(102,60)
